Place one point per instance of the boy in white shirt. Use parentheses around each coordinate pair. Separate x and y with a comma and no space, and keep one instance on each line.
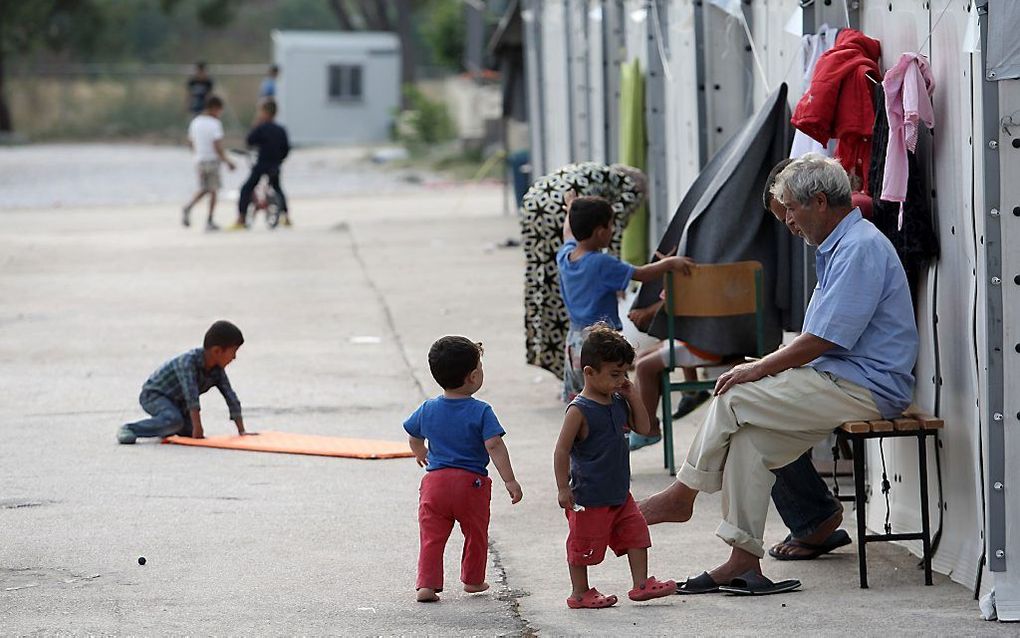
(205,135)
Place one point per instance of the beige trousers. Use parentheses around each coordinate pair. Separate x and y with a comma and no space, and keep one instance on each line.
(757,427)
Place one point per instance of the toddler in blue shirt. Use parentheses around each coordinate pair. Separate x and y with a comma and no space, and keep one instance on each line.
(590,279)
(463,434)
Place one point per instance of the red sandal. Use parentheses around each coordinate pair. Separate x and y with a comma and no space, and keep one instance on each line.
(652,588)
(592,599)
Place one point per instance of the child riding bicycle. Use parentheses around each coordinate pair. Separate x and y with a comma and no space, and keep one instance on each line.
(273,145)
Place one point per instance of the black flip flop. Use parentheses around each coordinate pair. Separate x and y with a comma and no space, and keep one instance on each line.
(753,584)
(703,584)
(837,539)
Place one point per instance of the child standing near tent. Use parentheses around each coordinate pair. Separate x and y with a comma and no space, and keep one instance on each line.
(592,468)
(590,278)
(463,434)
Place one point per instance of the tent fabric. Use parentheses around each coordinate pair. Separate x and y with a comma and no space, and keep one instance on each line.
(545,318)
(290,443)
(1003,55)
(721,220)
(633,151)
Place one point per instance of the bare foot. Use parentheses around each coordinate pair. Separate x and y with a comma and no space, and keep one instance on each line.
(474,589)
(675,504)
(426,595)
(818,537)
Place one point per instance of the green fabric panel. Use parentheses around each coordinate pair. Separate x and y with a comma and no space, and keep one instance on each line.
(633,151)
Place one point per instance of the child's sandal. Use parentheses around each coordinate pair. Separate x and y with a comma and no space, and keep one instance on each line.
(652,588)
(592,599)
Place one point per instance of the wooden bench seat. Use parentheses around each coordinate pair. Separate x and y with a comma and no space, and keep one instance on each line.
(905,423)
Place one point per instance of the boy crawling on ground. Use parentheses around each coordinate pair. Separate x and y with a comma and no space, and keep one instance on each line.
(592,467)
(170,395)
(463,434)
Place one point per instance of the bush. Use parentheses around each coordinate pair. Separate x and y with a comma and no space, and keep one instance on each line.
(424,123)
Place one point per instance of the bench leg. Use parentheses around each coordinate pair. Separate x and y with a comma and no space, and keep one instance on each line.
(859,499)
(922,466)
(835,462)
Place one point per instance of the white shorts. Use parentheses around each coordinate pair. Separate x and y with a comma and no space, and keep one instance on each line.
(684,357)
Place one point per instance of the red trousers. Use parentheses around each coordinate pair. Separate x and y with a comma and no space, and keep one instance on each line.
(446,496)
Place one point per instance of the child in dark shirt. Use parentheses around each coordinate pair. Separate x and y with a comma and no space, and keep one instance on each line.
(463,434)
(170,395)
(274,146)
(592,468)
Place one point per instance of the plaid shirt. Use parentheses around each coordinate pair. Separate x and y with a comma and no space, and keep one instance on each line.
(184,377)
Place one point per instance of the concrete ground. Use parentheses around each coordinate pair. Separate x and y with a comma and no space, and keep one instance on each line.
(93,299)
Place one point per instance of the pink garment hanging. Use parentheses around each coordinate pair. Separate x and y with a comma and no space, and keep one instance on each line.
(908,89)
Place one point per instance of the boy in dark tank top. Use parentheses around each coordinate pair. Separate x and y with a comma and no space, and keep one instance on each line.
(592,467)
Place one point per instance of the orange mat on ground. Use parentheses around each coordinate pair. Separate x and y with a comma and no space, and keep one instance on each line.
(290,443)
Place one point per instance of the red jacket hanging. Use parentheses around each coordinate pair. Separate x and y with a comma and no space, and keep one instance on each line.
(838,103)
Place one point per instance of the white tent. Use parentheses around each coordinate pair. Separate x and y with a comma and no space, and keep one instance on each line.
(704,79)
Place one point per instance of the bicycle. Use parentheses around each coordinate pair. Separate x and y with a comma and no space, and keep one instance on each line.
(264,198)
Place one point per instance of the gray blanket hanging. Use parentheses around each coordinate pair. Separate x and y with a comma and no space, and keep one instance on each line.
(721,220)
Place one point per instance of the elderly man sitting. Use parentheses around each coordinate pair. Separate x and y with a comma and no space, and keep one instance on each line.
(853,361)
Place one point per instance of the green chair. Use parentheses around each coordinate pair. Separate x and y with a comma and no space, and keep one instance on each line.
(710,290)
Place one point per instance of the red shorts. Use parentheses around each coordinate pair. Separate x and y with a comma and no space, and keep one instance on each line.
(621,527)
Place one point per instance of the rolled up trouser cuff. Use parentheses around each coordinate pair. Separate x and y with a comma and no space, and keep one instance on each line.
(701,480)
(736,537)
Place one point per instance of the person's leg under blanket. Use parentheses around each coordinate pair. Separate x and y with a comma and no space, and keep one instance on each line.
(810,511)
(802,498)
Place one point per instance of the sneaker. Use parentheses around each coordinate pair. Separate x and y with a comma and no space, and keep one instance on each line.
(286,220)
(186,216)
(237,226)
(637,441)
(125,435)
(690,402)
(210,226)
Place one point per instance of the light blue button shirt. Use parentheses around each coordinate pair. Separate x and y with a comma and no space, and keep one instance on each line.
(862,304)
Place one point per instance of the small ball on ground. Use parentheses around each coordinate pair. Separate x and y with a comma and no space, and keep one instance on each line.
(141,560)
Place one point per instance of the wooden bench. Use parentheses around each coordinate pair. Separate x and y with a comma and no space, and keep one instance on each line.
(856,433)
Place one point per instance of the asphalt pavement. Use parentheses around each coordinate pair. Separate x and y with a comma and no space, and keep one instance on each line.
(92,299)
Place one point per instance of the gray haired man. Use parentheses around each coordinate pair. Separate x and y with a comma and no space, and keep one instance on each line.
(853,361)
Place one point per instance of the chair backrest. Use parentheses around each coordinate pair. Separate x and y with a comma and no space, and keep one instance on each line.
(715,290)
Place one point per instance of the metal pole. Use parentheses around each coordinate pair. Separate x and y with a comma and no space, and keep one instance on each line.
(993,417)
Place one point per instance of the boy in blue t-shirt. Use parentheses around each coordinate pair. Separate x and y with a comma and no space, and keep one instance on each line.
(463,434)
(590,279)
(592,468)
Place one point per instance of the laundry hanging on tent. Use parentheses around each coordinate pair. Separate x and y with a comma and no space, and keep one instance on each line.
(908,89)
(633,150)
(545,318)
(838,103)
(721,220)
(812,46)
(915,239)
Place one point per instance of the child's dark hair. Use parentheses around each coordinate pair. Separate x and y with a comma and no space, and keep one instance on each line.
(269,107)
(452,359)
(223,334)
(213,102)
(766,195)
(587,214)
(602,344)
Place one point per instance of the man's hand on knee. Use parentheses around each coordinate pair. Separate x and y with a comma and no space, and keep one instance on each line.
(743,373)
